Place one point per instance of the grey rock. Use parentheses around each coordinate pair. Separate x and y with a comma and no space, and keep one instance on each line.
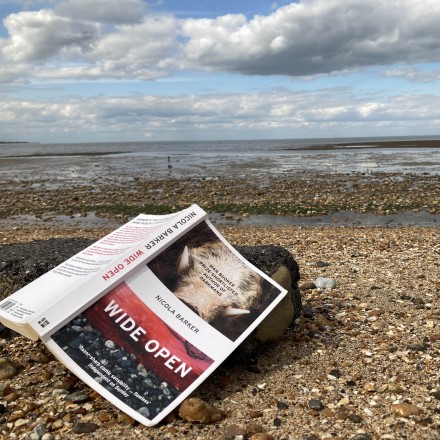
(77,397)
(325,283)
(84,427)
(315,404)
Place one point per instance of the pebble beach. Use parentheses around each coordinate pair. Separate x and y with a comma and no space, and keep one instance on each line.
(360,363)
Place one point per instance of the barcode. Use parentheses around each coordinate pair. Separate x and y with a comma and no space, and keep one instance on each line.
(7,305)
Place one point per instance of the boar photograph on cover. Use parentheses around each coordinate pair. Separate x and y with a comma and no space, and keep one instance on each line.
(213,282)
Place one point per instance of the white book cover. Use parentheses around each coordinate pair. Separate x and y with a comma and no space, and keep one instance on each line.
(146,336)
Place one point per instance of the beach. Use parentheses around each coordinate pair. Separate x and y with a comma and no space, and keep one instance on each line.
(362,361)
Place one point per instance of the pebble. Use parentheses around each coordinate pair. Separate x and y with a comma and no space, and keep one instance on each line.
(7,369)
(325,283)
(21,422)
(277,422)
(315,404)
(231,432)
(361,437)
(417,347)
(39,356)
(77,397)
(405,409)
(282,405)
(261,436)
(307,312)
(5,389)
(355,418)
(125,419)
(436,394)
(84,427)
(195,409)
(57,424)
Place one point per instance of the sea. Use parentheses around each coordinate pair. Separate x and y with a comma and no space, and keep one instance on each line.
(66,162)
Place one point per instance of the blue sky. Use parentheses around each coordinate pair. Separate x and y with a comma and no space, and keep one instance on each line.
(133,70)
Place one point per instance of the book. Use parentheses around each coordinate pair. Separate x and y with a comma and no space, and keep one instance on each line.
(147,313)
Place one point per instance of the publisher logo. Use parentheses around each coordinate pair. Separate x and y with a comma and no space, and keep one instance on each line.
(43,322)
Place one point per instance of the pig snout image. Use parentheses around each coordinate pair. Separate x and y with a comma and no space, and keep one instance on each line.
(215,283)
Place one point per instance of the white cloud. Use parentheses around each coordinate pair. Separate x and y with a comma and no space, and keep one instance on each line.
(144,50)
(39,36)
(317,36)
(104,11)
(205,116)
(414,75)
(112,40)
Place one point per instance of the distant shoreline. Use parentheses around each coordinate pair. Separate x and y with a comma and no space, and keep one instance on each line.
(29,156)
(431,143)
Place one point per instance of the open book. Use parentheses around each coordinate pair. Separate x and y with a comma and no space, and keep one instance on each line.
(147,313)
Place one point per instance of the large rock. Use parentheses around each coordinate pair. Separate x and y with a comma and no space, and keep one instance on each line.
(279,264)
(23,262)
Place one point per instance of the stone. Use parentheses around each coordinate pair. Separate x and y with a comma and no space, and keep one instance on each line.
(57,424)
(355,418)
(325,283)
(405,409)
(315,404)
(39,356)
(195,409)
(5,389)
(254,428)
(279,264)
(77,397)
(282,405)
(21,422)
(231,432)
(436,394)
(84,427)
(276,323)
(261,436)
(417,347)
(7,369)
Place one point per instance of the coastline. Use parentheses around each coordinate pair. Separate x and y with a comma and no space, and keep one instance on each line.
(428,143)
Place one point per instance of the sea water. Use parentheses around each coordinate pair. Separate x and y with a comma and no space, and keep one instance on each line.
(84,162)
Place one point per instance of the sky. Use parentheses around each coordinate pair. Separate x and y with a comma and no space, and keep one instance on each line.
(134,70)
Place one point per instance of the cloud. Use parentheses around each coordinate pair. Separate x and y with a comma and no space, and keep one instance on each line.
(36,37)
(44,45)
(211,115)
(103,11)
(307,38)
(414,75)
(146,50)
(317,36)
